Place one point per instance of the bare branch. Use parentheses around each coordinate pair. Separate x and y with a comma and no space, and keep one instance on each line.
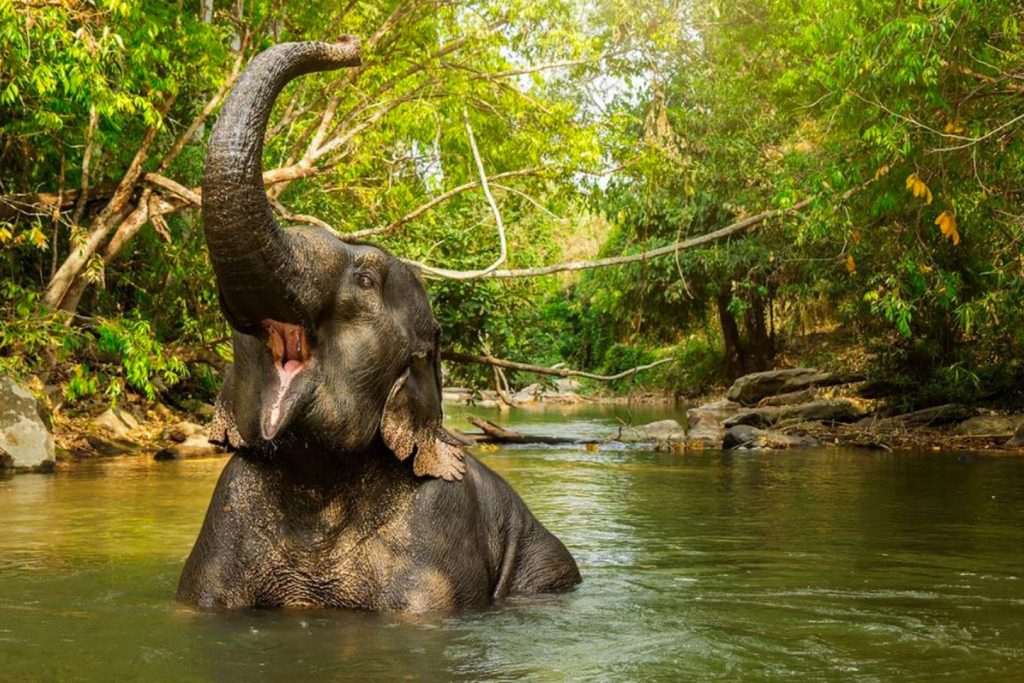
(193,197)
(503,246)
(721,233)
(444,196)
(487,359)
(301,217)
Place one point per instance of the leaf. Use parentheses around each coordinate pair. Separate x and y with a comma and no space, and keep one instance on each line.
(918,188)
(947,226)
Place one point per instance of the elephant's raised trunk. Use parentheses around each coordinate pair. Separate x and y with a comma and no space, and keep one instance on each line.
(260,270)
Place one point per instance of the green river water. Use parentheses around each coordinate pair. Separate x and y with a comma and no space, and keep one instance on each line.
(825,564)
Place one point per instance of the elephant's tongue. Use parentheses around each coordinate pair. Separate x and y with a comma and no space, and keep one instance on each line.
(289,349)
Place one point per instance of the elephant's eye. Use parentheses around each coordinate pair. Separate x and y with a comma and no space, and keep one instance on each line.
(365,280)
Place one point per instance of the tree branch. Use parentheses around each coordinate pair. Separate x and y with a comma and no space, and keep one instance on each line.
(503,246)
(721,233)
(444,196)
(487,359)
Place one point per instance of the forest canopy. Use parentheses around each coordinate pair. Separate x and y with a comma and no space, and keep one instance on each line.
(866,159)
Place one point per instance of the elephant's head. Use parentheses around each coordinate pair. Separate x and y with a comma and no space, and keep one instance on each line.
(335,343)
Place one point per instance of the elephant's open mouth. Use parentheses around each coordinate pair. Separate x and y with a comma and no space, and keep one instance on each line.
(289,349)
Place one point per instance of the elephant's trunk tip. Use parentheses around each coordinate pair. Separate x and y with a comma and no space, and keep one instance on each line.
(345,52)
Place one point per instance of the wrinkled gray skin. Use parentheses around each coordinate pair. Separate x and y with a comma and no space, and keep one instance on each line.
(344,490)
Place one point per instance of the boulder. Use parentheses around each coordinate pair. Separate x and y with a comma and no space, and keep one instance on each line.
(750,389)
(741,436)
(789,398)
(703,430)
(568,384)
(25,440)
(183,431)
(111,447)
(662,430)
(1017,440)
(564,398)
(722,409)
(528,394)
(991,425)
(193,447)
(117,422)
(836,410)
(752,438)
(930,417)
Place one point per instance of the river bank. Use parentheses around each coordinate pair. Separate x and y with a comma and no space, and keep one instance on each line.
(794,408)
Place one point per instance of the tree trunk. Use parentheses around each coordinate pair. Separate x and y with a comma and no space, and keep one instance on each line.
(758,347)
(731,337)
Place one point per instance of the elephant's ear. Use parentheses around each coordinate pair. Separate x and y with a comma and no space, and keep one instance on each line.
(411,423)
(223,430)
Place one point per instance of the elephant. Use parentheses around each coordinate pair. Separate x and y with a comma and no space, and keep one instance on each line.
(343,489)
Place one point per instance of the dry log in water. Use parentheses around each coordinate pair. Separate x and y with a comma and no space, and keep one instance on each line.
(493,433)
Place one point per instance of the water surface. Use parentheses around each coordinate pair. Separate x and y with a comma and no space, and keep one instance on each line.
(818,564)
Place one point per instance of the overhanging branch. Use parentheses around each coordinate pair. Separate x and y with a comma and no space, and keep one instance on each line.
(487,359)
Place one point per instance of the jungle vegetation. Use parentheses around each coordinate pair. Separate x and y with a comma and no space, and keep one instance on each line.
(867,159)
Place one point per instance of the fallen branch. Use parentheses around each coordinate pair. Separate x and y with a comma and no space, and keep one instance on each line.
(493,433)
(487,359)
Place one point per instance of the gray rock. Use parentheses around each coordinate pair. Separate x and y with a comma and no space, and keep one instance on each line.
(111,447)
(930,417)
(752,438)
(722,409)
(741,436)
(1017,441)
(193,447)
(703,430)
(183,431)
(564,398)
(528,394)
(25,440)
(836,410)
(991,425)
(118,422)
(750,389)
(789,398)
(567,384)
(662,430)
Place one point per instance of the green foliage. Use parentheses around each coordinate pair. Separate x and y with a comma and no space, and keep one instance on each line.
(902,119)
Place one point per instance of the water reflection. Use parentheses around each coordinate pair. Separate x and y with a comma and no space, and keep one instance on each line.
(810,565)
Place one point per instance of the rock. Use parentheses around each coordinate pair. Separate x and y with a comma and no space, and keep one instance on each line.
(1017,441)
(25,441)
(662,430)
(193,447)
(752,438)
(703,430)
(456,394)
(116,421)
(568,384)
(931,417)
(789,398)
(111,447)
(741,436)
(721,410)
(991,425)
(528,394)
(750,389)
(564,398)
(183,431)
(836,410)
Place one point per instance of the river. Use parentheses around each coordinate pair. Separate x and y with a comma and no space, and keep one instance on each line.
(817,564)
